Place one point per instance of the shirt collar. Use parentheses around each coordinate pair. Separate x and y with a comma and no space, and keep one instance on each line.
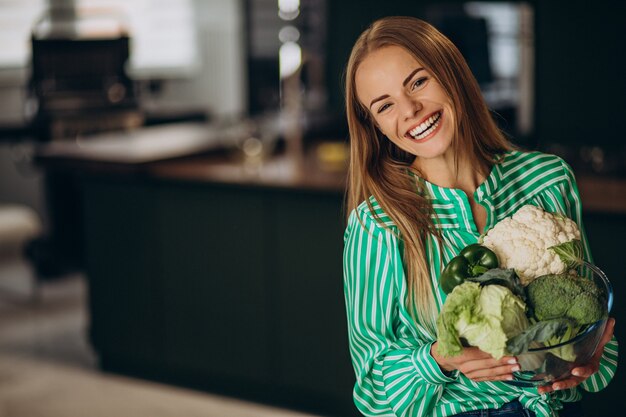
(451,209)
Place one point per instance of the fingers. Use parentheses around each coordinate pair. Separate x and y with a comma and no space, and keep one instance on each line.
(469,355)
(581,373)
(545,389)
(480,366)
(490,369)
(592,367)
(498,373)
(585,372)
(563,384)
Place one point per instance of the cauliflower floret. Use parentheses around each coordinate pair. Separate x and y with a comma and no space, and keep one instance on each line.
(521,242)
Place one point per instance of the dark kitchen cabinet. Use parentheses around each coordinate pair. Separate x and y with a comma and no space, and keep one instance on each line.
(123,270)
(215,295)
(228,288)
(312,330)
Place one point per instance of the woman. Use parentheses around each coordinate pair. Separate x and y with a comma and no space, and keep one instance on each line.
(429,172)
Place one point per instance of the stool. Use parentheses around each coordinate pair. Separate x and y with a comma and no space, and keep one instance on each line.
(18,225)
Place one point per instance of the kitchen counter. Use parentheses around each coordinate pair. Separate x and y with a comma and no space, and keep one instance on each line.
(192,152)
(279,172)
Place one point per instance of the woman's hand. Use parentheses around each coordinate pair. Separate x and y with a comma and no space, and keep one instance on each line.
(478,365)
(581,373)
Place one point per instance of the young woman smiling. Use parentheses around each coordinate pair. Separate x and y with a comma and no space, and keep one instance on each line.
(429,172)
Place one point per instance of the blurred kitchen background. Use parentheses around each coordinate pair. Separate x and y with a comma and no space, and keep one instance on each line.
(171,189)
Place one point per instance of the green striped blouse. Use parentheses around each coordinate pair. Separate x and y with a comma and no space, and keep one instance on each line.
(395,373)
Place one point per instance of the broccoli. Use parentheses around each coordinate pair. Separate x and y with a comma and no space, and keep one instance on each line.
(566,297)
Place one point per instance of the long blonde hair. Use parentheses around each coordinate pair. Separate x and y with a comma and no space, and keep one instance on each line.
(380,169)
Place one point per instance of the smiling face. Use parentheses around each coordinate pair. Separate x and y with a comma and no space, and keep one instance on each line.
(406,102)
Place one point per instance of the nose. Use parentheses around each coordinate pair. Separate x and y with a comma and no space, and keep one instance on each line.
(410,107)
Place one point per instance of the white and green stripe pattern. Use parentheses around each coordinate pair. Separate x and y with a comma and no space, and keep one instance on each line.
(395,373)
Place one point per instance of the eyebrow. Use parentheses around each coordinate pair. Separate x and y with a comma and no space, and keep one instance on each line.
(404,83)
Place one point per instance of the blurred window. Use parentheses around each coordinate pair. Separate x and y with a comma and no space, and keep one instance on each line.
(16,20)
(496,39)
(163,32)
(510,41)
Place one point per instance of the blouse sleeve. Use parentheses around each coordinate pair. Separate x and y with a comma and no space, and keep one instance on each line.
(608,363)
(395,375)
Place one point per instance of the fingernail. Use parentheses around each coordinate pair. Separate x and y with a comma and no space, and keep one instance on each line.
(576,372)
(512,361)
(515,368)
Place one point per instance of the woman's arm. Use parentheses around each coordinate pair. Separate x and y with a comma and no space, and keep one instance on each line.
(397,368)
(395,374)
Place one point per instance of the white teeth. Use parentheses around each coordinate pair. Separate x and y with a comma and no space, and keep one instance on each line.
(427,132)
(423,129)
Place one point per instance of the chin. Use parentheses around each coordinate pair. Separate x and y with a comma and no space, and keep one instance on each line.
(431,150)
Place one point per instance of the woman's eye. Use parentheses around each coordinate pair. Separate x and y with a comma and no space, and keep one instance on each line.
(419,82)
(383,107)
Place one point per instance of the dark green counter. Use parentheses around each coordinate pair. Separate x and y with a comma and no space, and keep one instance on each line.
(234,288)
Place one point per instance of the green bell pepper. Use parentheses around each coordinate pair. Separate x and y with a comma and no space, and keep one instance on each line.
(472,261)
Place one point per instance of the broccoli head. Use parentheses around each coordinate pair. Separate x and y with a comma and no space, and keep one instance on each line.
(566,296)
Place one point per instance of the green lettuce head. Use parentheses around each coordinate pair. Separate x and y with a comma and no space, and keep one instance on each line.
(482,316)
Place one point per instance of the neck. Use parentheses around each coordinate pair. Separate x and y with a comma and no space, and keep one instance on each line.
(443,171)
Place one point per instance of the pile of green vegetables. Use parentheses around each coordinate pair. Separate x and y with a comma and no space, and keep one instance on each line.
(488,307)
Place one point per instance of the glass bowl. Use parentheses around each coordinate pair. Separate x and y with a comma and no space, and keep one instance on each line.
(545,364)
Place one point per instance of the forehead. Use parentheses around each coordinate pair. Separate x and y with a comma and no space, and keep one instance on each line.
(381,71)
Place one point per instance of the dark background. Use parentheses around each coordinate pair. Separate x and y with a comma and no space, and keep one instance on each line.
(579,64)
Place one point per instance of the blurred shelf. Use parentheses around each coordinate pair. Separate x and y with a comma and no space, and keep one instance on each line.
(278,172)
(136,146)
(602,194)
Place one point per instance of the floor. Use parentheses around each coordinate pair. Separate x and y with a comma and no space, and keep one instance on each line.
(47,368)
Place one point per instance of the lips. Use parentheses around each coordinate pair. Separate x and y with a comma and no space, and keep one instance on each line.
(426,127)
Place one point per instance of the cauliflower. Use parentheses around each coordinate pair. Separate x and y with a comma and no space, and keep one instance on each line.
(522,242)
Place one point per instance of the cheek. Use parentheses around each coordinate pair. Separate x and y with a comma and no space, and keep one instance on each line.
(386,128)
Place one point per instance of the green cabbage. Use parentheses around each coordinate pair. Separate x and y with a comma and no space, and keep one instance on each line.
(482,316)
